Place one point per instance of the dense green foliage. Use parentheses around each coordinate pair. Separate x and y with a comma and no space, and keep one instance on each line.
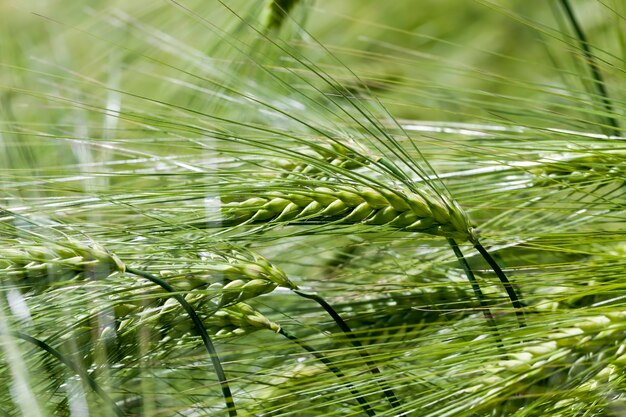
(313,208)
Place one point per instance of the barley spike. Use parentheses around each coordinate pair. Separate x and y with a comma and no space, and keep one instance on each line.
(411,212)
(35,265)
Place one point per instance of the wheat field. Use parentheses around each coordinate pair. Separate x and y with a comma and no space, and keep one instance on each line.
(313,208)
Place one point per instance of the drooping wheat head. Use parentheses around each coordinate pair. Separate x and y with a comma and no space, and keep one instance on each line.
(406,211)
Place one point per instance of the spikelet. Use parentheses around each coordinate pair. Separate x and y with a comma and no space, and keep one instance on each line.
(337,156)
(240,319)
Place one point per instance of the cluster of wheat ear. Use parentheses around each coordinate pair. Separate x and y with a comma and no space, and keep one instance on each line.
(246,275)
(212,288)
(408,211)
(137,310)
(536,368)
(218,305)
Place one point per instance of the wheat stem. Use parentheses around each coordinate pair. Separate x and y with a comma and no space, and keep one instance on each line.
(364,404)
(73,367)
(476,288)
(598,79)
(199,326)
(355,342)
(515,301)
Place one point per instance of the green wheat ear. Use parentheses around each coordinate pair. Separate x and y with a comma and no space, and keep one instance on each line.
(236,275)
(407,211)
(239,319)
(34,266)
(593,169)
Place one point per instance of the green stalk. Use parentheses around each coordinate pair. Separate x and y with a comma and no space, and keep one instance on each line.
(354,341)
(598,80)
(515,301)
(208,344)
(276,11)
(362,401)
(475,287)
(72,366)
